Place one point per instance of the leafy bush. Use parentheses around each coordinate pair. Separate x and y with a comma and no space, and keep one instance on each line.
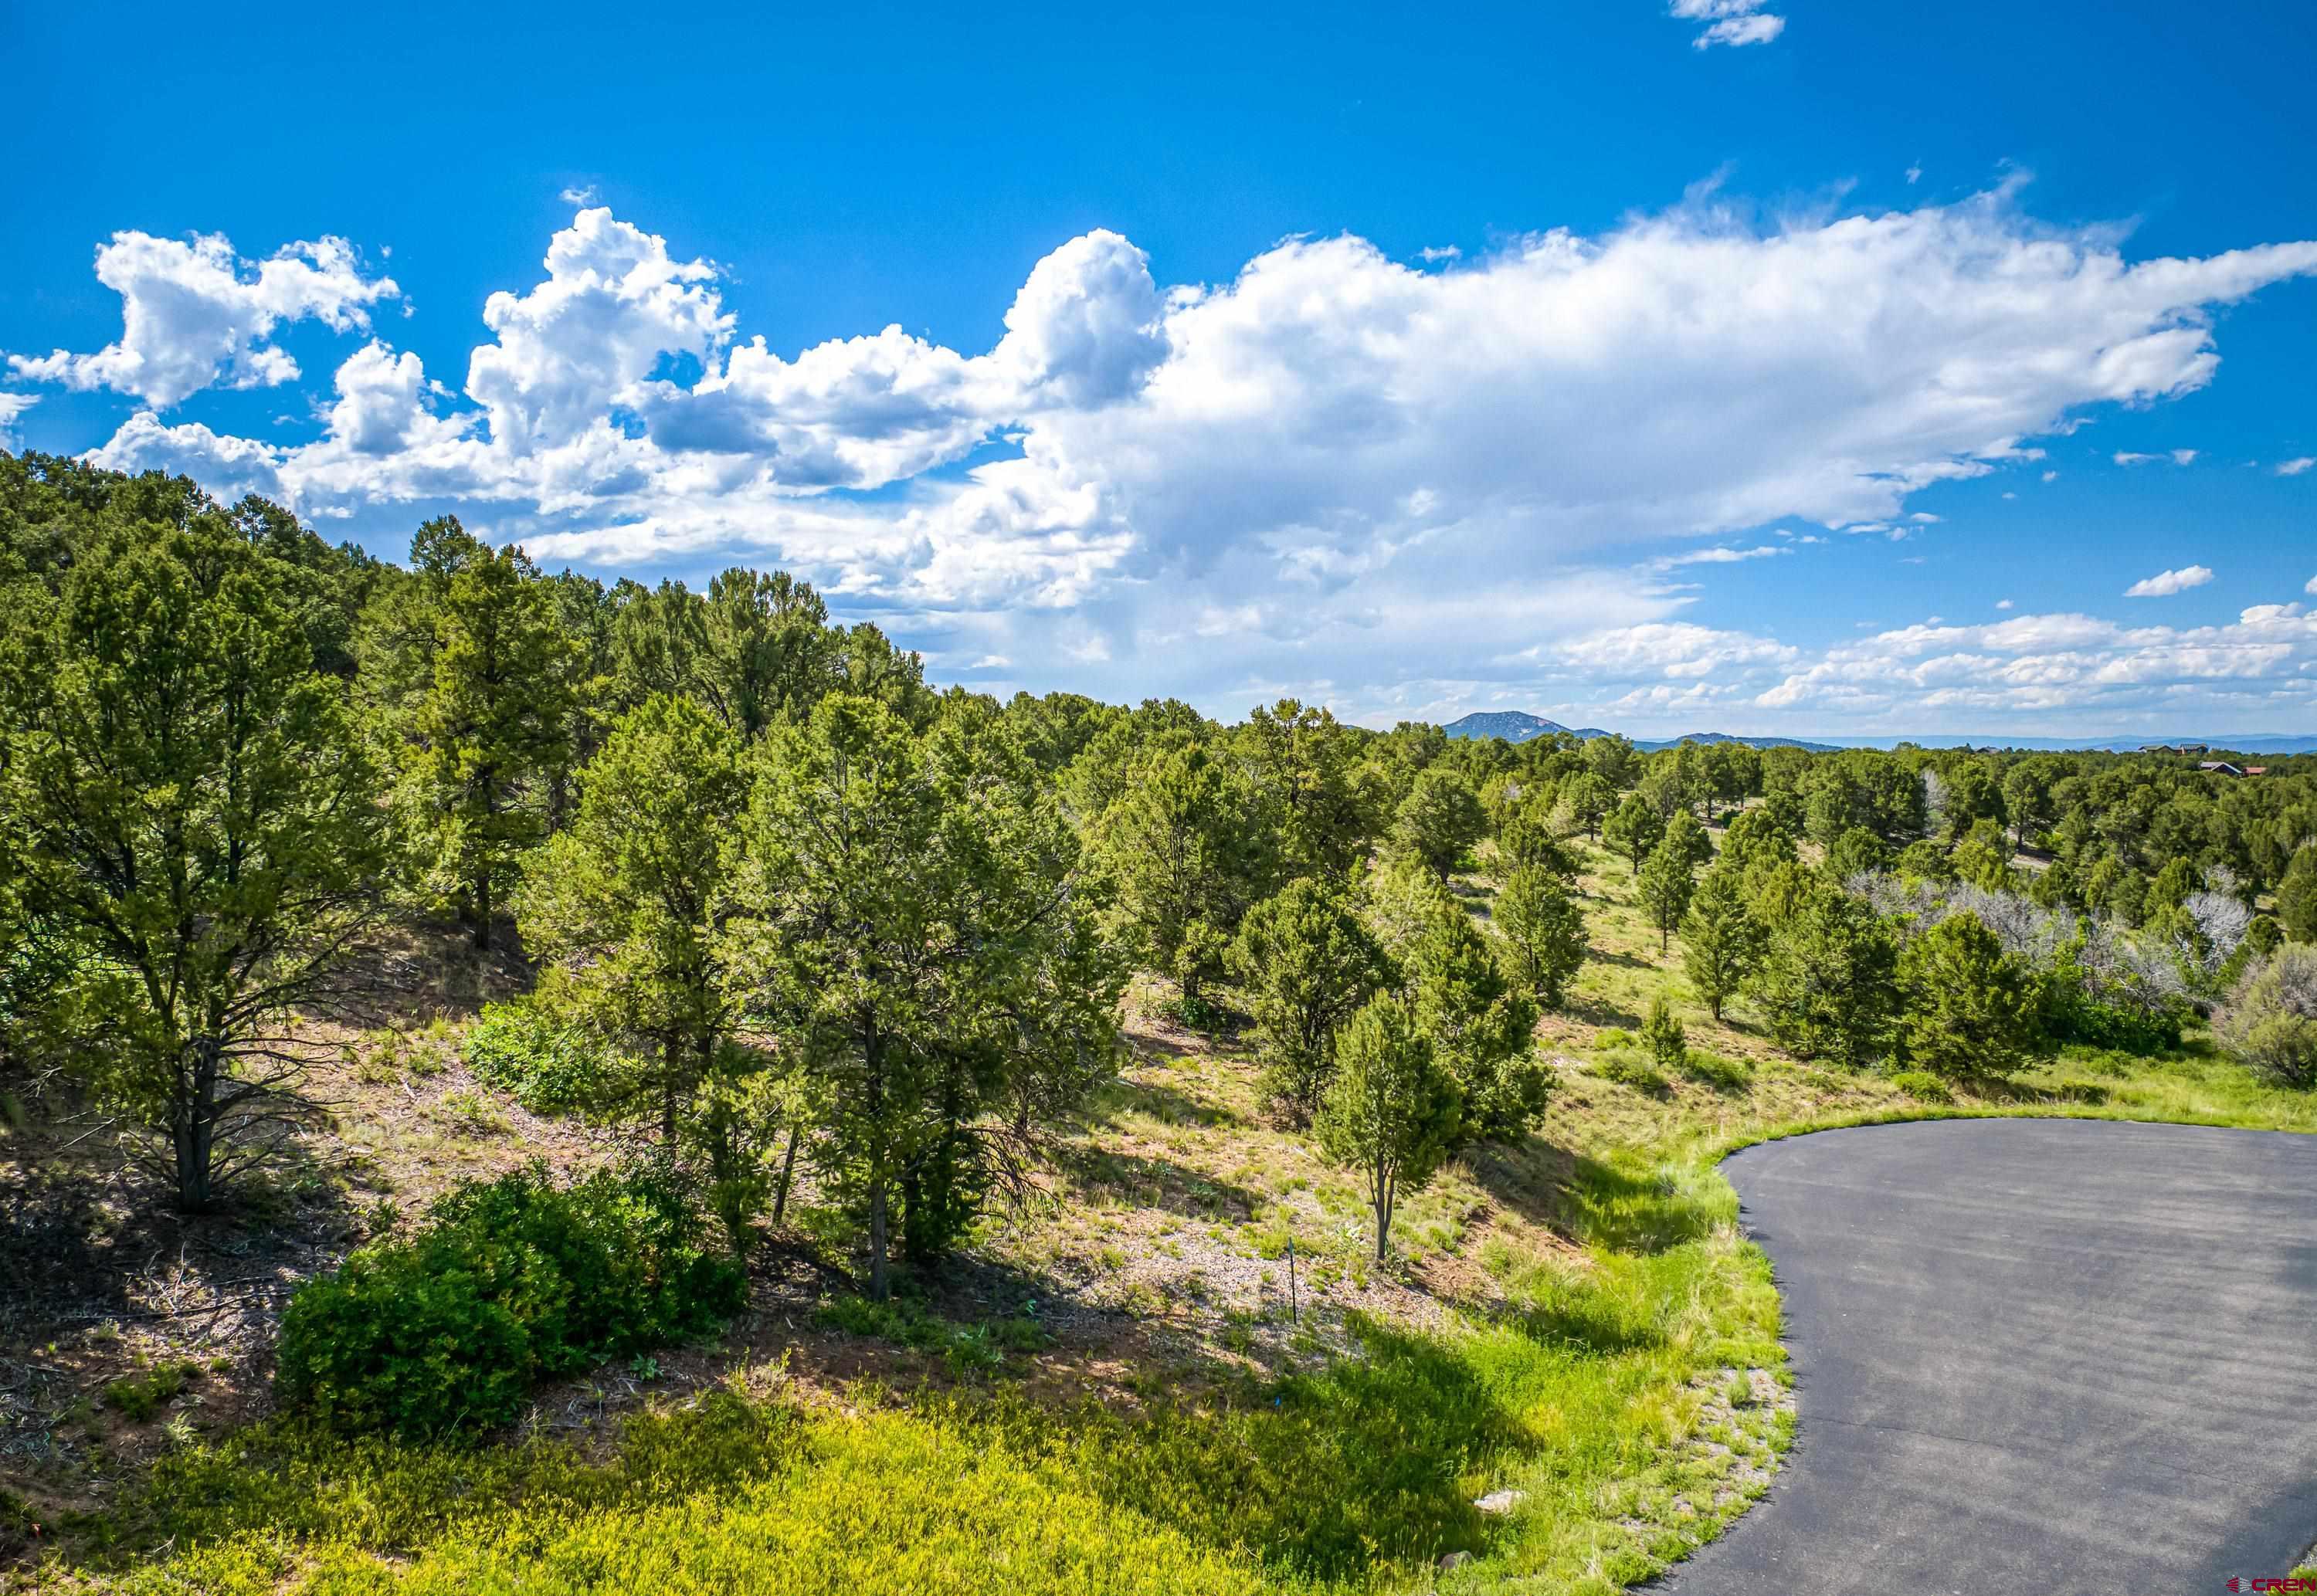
(1728,1074)
(1629,1068)
(508,1283)
(548,1067)
(1922,1086)
(1663,1035)
(137,1398)
(2271,1018)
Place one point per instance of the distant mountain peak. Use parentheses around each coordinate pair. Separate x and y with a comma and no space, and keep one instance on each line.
(1518,725)
(1514,726)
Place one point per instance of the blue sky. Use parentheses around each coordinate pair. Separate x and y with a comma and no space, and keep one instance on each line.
(1177,402)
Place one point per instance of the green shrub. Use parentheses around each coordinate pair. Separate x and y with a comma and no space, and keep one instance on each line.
(137,1398)
(968,1348)
(1729,1075)
(508,1283)
(19,1525)
(1630,1068)
(1663,1034)
(1922,1086)
(547,1068)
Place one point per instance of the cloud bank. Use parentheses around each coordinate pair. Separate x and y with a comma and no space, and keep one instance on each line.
(1396,486)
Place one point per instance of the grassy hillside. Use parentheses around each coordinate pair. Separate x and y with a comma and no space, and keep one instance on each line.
(1173,1367)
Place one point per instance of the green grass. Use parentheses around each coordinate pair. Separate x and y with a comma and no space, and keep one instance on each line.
(1617,1384)
(1585,1394)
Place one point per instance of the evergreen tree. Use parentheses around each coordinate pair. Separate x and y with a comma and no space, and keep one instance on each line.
(1529,839)
(1306,765)
(1634,830)
(1665,886)
(2296,896)
(1722,943)
(1970,1006)
(192,822)
(492,728)
(1480,1025)
(1827,984)
(1391,1112)
(625,909)
(1755,839)
(1543,932)
(1663,1035)
(1186,862)
(1688,839)
(1588,799)
(919,931)
(1438,819)
(1305,964)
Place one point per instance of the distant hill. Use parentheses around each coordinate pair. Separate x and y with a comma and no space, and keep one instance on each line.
(1518,725)
(1514,726)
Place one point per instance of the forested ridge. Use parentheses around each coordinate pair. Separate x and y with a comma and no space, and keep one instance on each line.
(824,994)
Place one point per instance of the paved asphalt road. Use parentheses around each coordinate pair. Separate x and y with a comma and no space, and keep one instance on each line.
(2040,1355)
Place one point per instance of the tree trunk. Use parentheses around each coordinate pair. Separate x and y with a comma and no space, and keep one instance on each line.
(195,1127)
(788,1168)
(881,1286)
(483,910)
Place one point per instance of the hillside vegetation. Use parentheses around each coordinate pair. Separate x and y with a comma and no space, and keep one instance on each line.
(510,1083)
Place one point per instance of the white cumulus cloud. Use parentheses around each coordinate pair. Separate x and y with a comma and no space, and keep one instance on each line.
(1413,486)
(2165,583)
(1732,22)
(2293,467)
(194,314)
(12,410)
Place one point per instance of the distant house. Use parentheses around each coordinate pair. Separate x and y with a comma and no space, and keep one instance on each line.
(2222,767)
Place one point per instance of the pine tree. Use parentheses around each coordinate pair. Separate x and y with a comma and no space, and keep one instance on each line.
(1828,984)
(1663,1035)
(2296,896)
(917,927)
(1720,940)
(1634,830)
(624,909)
(1305,964)
(492,728)
(1440,817)
(193,821)
(1970,1006)
(1665,886)
(1391,1112)
(1186,864)
(1544,933)
(1479,1023)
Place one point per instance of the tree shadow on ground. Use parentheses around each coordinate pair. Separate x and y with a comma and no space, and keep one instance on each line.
(1599,1011)
(1588,1201)
(1161,1099)
(90,1236)
(1142,1181)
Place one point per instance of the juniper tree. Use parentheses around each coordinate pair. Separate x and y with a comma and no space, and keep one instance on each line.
(918,930)
(625,908)
(1305,964)
(1391,1112)
(194,827)
(1544,933)
(1720,940)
